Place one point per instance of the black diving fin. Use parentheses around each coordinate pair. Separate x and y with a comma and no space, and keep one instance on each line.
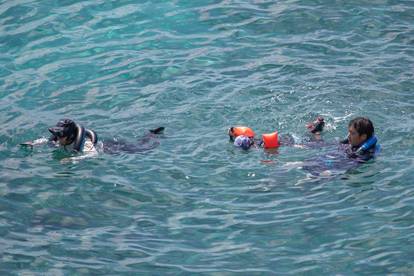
(158,130)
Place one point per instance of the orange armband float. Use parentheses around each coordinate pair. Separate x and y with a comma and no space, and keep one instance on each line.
(270,140)
(241,130)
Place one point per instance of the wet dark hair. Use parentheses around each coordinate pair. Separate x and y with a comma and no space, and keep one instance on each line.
(69,128)
(64,128)
(362,125)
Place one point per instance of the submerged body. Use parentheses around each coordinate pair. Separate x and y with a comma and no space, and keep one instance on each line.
(147,142)
(343,157)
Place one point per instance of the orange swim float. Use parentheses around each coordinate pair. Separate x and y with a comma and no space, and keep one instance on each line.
(270,140)
(241,130)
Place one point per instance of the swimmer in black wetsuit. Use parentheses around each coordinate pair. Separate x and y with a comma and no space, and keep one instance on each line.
(74,137)
(359,147)
(69,135)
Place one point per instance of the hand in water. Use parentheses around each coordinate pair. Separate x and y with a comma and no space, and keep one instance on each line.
(36,142)
(317,125)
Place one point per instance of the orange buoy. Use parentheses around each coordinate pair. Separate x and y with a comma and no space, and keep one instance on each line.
(270,140)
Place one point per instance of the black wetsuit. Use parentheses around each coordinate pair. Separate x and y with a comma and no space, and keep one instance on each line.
(359,156)
(344,158)
(147,142)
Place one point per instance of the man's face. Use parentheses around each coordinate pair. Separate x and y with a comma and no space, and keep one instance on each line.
(354,138)
(63,141)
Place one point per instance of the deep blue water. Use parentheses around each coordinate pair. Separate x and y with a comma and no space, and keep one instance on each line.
(195,204)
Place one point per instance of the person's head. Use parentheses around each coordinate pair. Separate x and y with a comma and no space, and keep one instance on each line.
(64,132)
(359,130)
(243,142)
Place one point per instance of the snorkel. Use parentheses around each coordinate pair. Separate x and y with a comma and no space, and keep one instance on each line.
(73,132)
(369,143)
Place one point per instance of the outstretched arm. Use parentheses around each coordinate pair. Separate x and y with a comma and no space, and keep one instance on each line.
(38,142)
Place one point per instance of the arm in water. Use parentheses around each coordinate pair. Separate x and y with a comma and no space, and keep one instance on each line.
(37,142)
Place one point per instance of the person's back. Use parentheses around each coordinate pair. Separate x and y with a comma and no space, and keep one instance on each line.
(147,142)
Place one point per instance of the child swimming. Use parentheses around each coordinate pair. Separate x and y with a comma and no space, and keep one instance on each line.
(360,145)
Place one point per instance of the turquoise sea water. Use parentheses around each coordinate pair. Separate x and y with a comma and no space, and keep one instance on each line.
(196,204)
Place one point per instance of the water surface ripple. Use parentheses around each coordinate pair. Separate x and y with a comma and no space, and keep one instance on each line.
(195,204)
